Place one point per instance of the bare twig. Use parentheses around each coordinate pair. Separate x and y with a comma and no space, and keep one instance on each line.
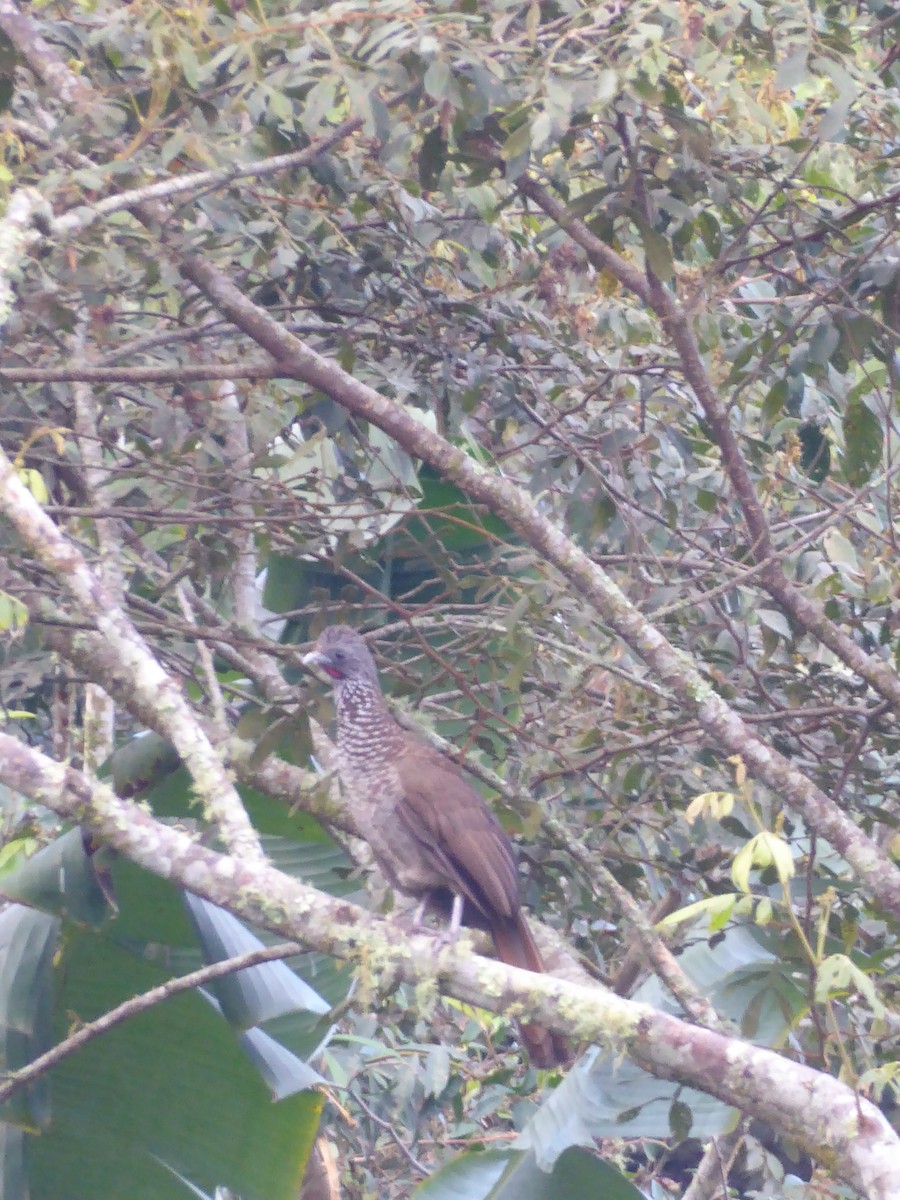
(806,610)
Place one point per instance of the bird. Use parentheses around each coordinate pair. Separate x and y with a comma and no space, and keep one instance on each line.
(430,831)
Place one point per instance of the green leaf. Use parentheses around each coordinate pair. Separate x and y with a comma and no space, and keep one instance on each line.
(153,923)
(437,1071)
(838,973)
(824,343)
(513,1175)
(588,201)
(28,942)
(13,1176)
(772,619)
(60,879)
(287,582)
(188,61)
(715,906)
(773,405)
(16,852)
(863,443)
(257,994)
(764,850)
(13,613)
(792,70)
(857,331)
(437,79)
(735,973)
(680,1120)
(518,144)
(657,252)
(834,121)
(283,1072)
(141,763)
(34,481)
(470,1176)
(170,1091)
(840,550)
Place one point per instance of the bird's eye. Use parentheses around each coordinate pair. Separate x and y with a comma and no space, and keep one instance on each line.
(338,654)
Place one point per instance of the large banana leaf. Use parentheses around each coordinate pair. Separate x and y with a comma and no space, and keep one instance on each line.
(172,1099)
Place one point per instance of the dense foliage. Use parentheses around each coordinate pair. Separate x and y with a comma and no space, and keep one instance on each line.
(638,259)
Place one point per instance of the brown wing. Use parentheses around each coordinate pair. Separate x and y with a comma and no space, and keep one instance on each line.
(462,839)
(465,846)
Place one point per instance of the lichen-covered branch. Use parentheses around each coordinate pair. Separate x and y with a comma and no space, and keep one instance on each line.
(26,209)
(146,678)
(97,660)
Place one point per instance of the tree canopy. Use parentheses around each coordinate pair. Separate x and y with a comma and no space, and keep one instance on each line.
(554,346)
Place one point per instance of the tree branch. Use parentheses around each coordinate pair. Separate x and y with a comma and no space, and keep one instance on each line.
(808,612)
(182,373)
(146,677)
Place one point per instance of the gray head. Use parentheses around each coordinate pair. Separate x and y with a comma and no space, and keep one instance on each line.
(343,655)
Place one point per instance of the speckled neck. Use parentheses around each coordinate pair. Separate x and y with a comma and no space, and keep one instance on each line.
(367,733)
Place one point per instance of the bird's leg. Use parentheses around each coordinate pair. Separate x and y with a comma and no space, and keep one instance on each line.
(451,933)
(448,936)
(418,921)
(456,913)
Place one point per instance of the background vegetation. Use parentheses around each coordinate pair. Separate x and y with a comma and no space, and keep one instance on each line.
(556,345)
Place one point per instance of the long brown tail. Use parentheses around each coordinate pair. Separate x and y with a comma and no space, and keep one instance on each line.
(515,945)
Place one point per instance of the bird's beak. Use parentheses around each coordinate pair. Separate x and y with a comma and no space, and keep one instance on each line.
(316,658)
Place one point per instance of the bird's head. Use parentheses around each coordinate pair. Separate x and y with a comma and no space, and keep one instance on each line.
(343,655)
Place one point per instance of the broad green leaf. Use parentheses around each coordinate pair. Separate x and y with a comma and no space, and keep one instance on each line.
(518,144)
(764,850)
(840,550)
(680,1120)
(13,1168)
(606,1096)
(773,405)
(141,763)
(716,907)
(824,343)
(658,253)
(775,620)
(838,973)
(513,1175)
(282,1071)
(712,804)
(61,879)
(13,613)
(28,942)
(257,994)
(15,853)
(169,1091)
(437,78)
(833,123)
(863,443)
(34,481)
